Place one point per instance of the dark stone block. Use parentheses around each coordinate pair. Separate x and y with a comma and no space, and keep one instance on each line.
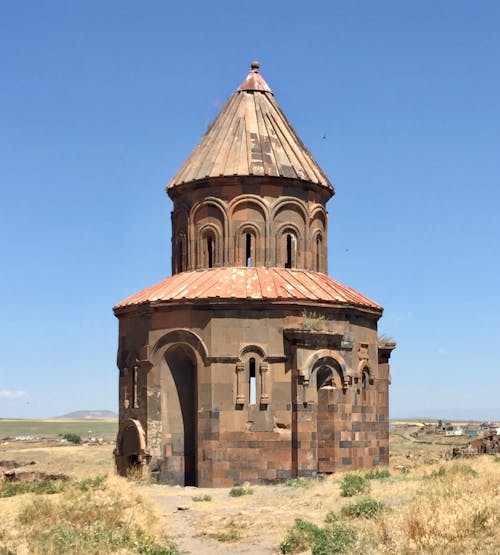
(283,474)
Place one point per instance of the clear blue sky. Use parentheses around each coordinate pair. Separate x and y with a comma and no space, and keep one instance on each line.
(101,102)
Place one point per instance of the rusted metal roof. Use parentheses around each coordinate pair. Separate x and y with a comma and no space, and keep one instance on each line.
(273,284)
(254,81)
(251,136)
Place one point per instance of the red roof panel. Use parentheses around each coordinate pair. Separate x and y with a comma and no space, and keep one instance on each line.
(250,283)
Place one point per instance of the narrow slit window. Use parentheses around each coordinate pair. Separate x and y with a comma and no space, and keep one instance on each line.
(289,251)
(248,250)
(318,253)
(135,401)
(210,251)
(181,256)
(252,382)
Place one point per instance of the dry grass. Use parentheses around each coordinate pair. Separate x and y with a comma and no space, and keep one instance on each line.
(89,517)
(429,505)
(76,461)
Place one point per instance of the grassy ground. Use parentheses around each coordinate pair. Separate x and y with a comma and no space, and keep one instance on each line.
(423,504)
(103,428)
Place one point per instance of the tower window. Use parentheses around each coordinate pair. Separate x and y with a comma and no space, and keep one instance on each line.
(318,253)
(248,250)
(289,251)
(210,251)
(252,384)
(180,257)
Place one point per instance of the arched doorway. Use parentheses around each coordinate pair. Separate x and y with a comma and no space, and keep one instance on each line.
(329,384)
(130,454)
(180,393)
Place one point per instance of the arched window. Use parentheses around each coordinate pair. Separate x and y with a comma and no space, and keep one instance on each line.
(329,377)
(210,251)
(249,246)
(181,247)
(318,252)
(290,251)
(253,379)
(365,379)
(208,245)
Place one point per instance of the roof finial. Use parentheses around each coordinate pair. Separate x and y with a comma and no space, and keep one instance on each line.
(254,80)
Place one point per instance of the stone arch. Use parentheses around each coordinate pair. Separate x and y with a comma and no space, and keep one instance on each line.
(131,455)
(318,214)
(311,363)
(327,372)
(252,348)
(207,202)
(290,213)
(291,202)
(179,336)
(210,216)
(249,210)
(250,201)
(317,234)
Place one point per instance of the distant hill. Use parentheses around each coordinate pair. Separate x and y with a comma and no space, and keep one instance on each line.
(90,414)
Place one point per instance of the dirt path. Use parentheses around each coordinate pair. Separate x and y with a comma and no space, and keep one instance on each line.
(252,524)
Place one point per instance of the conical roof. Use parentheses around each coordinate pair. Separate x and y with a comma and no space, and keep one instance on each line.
(251,136)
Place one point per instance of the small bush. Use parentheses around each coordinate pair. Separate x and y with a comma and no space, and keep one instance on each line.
(238,491)
(436,474)
(300,536)
(496,458)
(232,535)
(299,483)
(331,517)
(367,508)
(312,320)
(333,538)
(198,498)
(378,474)
(72,438)
(353,484)
(87,484)
(480,520)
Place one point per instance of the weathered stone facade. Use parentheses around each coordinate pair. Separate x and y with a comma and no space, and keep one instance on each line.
(249,363)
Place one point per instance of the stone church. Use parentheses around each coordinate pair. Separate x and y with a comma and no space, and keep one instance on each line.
(250,363)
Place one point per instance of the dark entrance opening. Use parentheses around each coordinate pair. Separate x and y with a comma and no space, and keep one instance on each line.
(181,412)
(133,464)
